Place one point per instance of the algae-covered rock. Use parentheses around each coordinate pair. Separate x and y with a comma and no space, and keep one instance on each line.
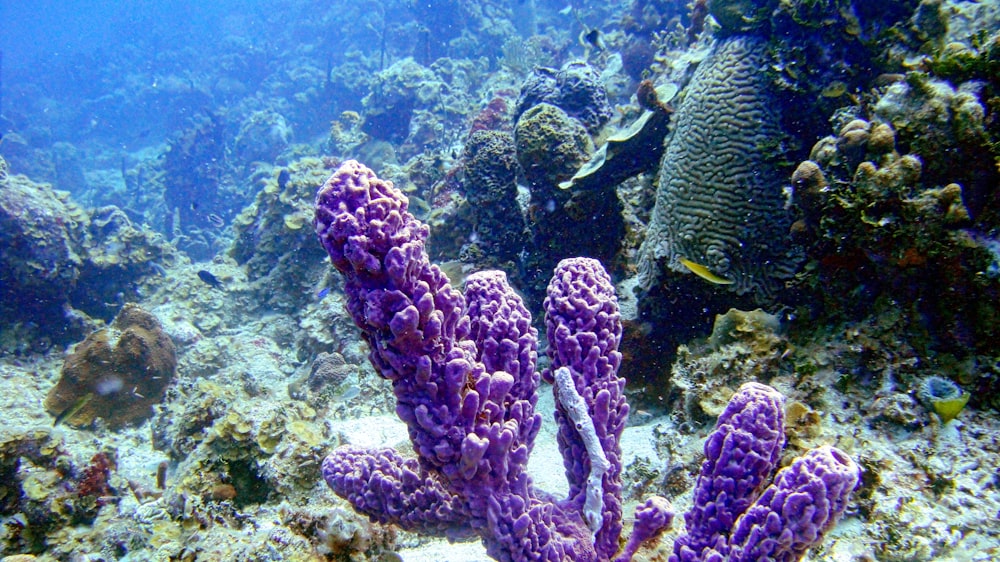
(551,145)
(575,88)
(116,374)
(273,238)
(262,137)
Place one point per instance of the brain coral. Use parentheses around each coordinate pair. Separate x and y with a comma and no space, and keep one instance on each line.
(720,200)
(115,374)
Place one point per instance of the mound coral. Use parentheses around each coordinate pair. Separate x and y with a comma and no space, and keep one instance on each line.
(116,374)
(719,201)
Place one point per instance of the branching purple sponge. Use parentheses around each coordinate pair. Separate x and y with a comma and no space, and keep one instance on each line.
(463,372)
(464,378)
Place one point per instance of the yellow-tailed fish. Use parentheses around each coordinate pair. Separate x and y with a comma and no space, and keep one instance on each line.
(73,409)
(705,273)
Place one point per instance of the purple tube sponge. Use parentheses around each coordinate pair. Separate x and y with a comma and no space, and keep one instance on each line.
(584,329)
(506,341)
(733,517)
(412,319)
(463,373)
(652,518)
(740,457)
(792,515)
(390,489)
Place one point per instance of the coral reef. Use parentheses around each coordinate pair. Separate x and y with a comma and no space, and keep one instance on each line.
(216,127)
(40,263)
(45,492)
(930,118)
(64,268)
(416,106)
(116,374)
(745,346)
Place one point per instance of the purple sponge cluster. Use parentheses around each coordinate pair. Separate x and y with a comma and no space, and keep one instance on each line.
(462,369)
(736,515)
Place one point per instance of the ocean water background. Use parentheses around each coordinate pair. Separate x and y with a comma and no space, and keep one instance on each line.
(73,52)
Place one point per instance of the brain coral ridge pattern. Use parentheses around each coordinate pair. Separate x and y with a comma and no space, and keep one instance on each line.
(720,200)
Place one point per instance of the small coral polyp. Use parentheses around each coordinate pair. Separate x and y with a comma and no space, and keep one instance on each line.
(943,397)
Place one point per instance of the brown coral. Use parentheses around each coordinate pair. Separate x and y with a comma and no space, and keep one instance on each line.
(116,374)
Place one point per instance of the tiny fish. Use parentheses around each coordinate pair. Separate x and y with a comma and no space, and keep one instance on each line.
(73,409)
(215,220)
(350,393)
(593,38)
(322,293)
(210,279)
(705,273)
(834,89)
(889,78)
(455,271)
(283,177)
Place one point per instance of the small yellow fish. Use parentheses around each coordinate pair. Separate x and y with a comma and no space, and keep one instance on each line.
(834,89)
(73,409)
(704,272)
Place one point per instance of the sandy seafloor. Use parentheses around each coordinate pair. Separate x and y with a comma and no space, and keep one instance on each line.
(935,496)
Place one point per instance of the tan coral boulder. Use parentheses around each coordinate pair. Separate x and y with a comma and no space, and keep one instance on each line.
(117,373)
